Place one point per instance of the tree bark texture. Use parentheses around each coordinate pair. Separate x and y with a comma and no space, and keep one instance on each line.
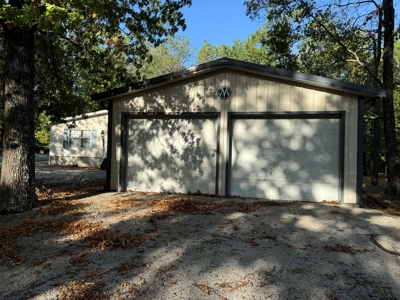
(17,183)
(392,156)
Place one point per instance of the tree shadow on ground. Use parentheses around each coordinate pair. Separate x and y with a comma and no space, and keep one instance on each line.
(167,245)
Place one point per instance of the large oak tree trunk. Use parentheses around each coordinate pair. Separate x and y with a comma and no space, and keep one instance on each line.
(17,183)
(392,156)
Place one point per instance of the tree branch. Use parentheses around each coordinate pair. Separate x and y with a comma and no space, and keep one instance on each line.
(357,3)
(80,47)
(341,44)
(53,63)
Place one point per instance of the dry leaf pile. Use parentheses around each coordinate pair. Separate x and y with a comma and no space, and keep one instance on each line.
(185,205)
(162,208)
(333,202)
(9,236)
(81,228)
(81,289)
(125,203)
(61,207)
(63,190)
(107,239)
(254,206)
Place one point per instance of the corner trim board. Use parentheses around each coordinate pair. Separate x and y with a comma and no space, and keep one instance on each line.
(109,145)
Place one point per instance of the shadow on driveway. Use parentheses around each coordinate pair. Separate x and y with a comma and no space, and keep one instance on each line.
(51,174)
(61,174)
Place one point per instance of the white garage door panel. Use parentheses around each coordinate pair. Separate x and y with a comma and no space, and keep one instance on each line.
(288,159)
(172,155)
(286,127)
(270,157)
(287,174)
(281,190)
(298,142)
(295,141)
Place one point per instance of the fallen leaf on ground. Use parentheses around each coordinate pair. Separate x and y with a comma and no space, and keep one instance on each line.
(202,287)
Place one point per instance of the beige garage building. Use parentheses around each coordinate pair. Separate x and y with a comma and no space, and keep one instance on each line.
(234,128)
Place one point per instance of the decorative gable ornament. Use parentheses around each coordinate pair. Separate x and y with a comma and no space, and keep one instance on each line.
(224,92)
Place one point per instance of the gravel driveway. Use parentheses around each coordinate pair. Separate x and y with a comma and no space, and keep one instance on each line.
(172,246)
(56,174)
(52,174)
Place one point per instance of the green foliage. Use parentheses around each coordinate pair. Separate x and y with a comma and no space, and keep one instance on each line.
(42,129)
(319,55)
(332,39)
(251,50)
(62,86)
(171,56)
(85,47)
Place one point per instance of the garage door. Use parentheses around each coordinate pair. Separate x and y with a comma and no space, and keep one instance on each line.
(172,154)
(286,159)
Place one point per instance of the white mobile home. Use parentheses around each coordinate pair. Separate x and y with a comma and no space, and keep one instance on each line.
(81,140)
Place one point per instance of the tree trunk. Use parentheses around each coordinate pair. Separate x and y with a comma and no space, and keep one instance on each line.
(392,157)
(2,106)
(1,123)
(17,183)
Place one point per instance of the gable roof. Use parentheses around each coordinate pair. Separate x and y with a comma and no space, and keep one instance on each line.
(229,63)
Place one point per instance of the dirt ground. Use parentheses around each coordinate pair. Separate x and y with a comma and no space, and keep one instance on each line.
(374,197)
(81,243)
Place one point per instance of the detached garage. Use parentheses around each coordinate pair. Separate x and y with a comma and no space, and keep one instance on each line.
(234,128)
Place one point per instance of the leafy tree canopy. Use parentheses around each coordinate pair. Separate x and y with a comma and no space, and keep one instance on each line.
(84,47)
(173,55)
(329,38)
(69,44)
(251,50)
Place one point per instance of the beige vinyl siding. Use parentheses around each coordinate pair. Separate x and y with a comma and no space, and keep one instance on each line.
(262,95)
(251,93)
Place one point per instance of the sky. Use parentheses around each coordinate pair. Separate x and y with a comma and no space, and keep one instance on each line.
(218,21)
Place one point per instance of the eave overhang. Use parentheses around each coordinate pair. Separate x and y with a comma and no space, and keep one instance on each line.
(227,63)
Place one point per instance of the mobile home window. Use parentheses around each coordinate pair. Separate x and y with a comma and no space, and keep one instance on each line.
(80,138)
